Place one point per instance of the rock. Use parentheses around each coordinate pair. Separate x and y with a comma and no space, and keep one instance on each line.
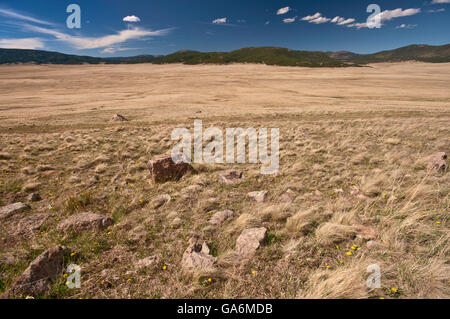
(30,187)
(176,222)
(160,201)
(36,280)
(137,234)
(85,221)
(118,118)
(163,168)
(146,262)
(230,177)
(29,226)
(437,162)
(220,217)
(393,141)
(197,257)
(34,197)
(9,210)
(258,197)
(250,240)
(366,232)
(371,243)
(288,197)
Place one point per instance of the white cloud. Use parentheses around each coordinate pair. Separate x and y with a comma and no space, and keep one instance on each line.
(289,20)
(436,10)
(313,17)
(388,15)
(26,43)
(406,26)
(357,25)
(132,18)
(320,20)
(283,10)
(112,50)
(440,1)
(99,42)
(267,23)
(342,21)
(18,16)
(220,21)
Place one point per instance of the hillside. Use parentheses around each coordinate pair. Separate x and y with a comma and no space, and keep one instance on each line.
(263,55)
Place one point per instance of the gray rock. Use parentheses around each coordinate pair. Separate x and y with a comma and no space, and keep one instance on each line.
(220,217)
(197,257)
(85,221)
(36,280)
(250,240)
(12,209)
(230,177)
(258,197)
(437,162)
(118,118)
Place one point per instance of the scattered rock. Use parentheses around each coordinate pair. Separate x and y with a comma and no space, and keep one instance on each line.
(85,221)
(160,201)
(250,240)
(118,118)
(437,162)
(146,262)
(163,168)
(137,234)
(230,177)
(197,257)
(258,197)
(29,226)
(34,197)
(12,209)
(36,280)
(30,187)
(220,217)
(366,232)
(176,222)
(288,197)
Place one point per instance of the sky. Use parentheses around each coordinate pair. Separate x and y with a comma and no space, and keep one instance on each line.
(134,27)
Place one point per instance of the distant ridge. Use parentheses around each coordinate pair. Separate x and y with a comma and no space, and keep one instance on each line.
(262,55)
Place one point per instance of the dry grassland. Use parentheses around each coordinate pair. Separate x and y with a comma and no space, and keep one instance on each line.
(354,145)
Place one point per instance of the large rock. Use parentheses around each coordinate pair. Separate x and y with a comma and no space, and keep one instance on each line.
(197,257)
(258,197)
(437,162)
(29,226)
(220,217)
(250,240)
(163,169)
(230,177)
(85,221)
(12,209)
(36,280)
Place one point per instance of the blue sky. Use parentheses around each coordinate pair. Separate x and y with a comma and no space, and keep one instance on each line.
(162,27)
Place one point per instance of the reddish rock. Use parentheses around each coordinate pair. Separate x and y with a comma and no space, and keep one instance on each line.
(250,240)
(230,177)
(164,169)
(36,280)
(85,221)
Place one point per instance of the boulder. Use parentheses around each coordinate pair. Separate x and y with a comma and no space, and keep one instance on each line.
(250,240)
(258,197)
(220,217)
(163,168)
(437,162)
(9,210)
(230,177)
(85,221)
(197,257)
(36,280)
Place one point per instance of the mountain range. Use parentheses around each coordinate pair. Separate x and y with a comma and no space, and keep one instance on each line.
(263,55)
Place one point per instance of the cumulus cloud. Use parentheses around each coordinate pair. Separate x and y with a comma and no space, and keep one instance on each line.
(357,25)
(14,15)
(132,18)
(25,43)
(316,18)
(283,10)
(220,21)
(289,20)
(80,42)
(342,21)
